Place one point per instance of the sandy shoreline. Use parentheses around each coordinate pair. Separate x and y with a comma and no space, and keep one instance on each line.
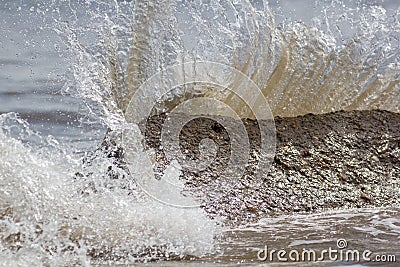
(345,159)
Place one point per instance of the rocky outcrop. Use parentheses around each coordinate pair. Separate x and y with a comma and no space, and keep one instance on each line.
(345,159)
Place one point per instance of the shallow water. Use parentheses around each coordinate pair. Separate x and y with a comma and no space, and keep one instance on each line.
(363,229)
(52,76)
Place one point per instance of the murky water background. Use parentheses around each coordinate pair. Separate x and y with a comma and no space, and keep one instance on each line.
(53,56)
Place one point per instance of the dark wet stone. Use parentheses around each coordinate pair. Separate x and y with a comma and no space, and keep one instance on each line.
(345,159)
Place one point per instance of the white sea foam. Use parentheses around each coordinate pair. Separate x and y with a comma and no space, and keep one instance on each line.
(45,213)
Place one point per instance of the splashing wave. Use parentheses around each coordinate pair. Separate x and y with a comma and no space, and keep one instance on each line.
(48,216)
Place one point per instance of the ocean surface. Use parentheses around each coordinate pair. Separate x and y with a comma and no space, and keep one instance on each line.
(58,83)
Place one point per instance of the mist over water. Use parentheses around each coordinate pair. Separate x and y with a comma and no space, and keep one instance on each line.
(78,63)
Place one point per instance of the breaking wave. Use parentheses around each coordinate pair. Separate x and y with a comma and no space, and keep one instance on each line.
(48,216)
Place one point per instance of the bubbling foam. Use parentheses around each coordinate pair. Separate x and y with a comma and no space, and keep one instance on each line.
(45,214)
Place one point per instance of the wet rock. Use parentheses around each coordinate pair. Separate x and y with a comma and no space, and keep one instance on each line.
(344,159)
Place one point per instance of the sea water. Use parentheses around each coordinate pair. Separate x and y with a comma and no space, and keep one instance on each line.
(69,69)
